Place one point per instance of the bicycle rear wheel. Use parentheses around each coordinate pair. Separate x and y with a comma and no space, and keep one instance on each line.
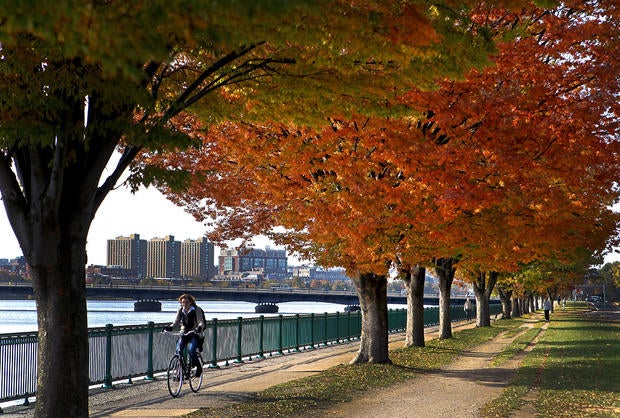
(196,382)
(174,374)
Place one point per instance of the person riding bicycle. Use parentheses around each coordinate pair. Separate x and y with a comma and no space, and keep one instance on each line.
(192,320)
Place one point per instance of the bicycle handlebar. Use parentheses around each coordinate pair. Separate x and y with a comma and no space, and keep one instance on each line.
(179,334)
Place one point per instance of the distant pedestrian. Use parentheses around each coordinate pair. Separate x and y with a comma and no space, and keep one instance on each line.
(468,307)
(547,308)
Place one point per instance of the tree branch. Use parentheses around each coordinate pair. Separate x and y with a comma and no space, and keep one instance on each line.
(236,78)
(14,202)
(129,153)
(179,104)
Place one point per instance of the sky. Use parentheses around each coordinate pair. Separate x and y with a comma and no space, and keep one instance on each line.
(147,213)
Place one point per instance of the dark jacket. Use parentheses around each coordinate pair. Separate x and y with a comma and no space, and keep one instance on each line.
(193,320)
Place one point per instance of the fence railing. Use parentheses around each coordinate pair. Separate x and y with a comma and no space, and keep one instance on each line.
(119,353)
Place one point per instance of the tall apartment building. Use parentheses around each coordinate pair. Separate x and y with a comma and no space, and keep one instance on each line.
(269,261)
(197,259)
(128,253)
(132,257)
(163,257)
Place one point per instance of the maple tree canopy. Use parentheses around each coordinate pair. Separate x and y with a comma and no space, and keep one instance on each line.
(81,79)
(513,164)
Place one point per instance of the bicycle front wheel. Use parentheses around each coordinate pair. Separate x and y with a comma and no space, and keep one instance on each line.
(174,375)
(196,382)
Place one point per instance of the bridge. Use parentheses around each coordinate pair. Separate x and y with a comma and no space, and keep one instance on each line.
(254,295)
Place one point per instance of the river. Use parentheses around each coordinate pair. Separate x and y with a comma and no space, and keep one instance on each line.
(21,316)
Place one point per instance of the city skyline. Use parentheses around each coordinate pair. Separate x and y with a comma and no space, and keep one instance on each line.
(146,213)
(162,257)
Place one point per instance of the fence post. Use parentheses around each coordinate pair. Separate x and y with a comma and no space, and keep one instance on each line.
(238,359)
(337,327)
(296,333)
(149,366)
(348,325)
(325,328)
(312,347)
(281,332)
(213,364)
(107,382)
(261,349)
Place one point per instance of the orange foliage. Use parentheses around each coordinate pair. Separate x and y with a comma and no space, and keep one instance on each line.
(538,132)
(515,163)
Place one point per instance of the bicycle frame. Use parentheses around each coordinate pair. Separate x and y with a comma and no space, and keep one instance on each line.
(179,371)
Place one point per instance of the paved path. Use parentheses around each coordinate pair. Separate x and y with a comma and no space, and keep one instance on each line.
(459,389)
(467,382)
(223,386)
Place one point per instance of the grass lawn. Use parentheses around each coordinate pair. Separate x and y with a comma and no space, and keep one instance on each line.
(573,369)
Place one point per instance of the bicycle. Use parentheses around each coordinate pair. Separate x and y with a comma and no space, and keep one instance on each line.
(180,370)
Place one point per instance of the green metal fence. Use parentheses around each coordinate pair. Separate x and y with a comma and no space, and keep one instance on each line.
(119,353)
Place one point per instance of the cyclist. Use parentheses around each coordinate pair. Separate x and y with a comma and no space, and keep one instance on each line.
(191,317)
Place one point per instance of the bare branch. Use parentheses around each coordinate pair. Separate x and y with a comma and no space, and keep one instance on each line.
(129,153)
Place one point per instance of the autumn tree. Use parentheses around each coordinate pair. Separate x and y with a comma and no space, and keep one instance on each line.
(414,278)
(326,201)
(538,132)
(445,268)
(327,189)
(610,276)
(505,289)
(553,278)
(81,80)
(333,193)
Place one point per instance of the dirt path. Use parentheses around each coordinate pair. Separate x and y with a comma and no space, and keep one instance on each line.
(457,390)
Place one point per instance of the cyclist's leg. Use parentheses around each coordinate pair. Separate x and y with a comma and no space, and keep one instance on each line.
(181,343)
(193,346)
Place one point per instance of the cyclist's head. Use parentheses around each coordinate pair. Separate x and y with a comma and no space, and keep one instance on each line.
(190,298)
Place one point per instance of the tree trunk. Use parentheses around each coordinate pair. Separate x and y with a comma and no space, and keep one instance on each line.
(532,303)
(552,294)
(506,297)
(527,303)
(58,281)
(50,213)
(516,309)
(414,283)
(483,290)
(445,272)
(52,233)
(372,293)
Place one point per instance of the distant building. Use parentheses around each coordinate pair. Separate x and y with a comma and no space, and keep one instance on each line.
(163,258)
(15,265)
(196,259)
(111,273)
(128,253)
(316,273)
(269,261)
